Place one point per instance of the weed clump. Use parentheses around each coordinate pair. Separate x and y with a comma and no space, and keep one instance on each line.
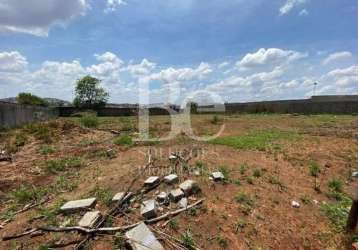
(314,169)
(125,140)
(62,164)
(89,121)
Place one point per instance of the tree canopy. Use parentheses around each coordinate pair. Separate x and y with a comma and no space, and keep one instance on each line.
(30,99)
(89,93)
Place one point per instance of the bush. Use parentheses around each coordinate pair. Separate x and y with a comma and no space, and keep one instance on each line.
(335,185)
(29,99)
(89,121)
(62,164)
(314,169)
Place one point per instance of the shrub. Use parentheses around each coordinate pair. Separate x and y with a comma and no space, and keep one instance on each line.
(26,194)
(257,173)
(20,139)
(123,140)
(215,119)
(335,185)
(47,149)
(314,169)
(89,121)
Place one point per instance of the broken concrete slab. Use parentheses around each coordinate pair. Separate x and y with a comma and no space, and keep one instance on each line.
(141,238)
(173,157)
(148,209)
(218,176)
(189,187)
(183,203)
(152,181)
(119,196)
(176,194)
(355,174)
(171,179)
(76,205)
(89,219)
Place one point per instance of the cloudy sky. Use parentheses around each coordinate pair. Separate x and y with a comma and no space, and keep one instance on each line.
(241,50)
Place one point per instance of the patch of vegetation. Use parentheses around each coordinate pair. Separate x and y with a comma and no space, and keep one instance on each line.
(104,195)
(314,169)
(89,121)
(47,149)
(255,140)
(30,99)
(240,224)
(225,171)
(243,168)
(125,140)
(173,224)
(63,184)
(223,243)
(245,200)
(20,139)
(188,240)
(87,142)
(215,119)
(41,131)
(250,180)
(50,213)
(63,164)
(27,194)
(257,173)
(335,185)
(338,211)
(306,199)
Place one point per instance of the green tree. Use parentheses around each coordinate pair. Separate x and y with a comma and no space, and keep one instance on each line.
(89,93)
(30,99)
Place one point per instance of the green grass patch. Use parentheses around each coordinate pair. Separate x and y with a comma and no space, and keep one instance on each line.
(63,164)
(255,140)
(125,140)
(314,169)
(47,149)
(89,121)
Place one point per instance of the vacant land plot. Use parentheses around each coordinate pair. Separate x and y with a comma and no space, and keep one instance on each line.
(270,163)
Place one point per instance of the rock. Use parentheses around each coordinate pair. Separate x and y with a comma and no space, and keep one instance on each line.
(162,197)
(183,203)
(189,187)
(355,174)
(295,204)
(170,179)
(148,209)
(119,196)
(78,205)
(218,176)
(328,165)
(152,181)
(141,238)
(196,173)
(176,194)
(315,202)
(173,157)
(89,219)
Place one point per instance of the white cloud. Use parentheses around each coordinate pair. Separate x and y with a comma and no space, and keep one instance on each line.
(12,62)
(290,5)
(337,56)
(223,65)
(112,5)
(143,68)
(345,77)
(303,12)
(271,56)
(109,66)
(36,17)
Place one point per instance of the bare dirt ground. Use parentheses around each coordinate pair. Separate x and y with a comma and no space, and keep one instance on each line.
(268,160)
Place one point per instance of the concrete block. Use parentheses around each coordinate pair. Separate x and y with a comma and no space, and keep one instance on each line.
(355,174)
(176,194)
(218,176)
(170,179)
(183,203)
(89,219)
(162,197)
(148,209)
(119,196)
(141,238)
(76,205)
(151,181)
(189,187)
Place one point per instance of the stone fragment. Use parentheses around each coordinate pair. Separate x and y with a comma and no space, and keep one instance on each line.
(189,187)
(295,204)
(148,209)
(141,238)
(355,174)
(176,194)
(170,179)
(197,173)
(218,176)
(172,157)
(78,205)
(89,219)
(152,181)
(118,196)
(183,203)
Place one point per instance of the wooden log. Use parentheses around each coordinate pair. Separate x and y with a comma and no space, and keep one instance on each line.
(353,215)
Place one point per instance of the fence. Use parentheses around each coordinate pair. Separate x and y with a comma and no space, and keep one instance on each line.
(15,115)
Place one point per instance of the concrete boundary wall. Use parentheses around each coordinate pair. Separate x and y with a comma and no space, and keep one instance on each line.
(16,115)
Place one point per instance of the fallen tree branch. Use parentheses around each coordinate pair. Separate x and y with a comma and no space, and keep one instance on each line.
(103,229)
